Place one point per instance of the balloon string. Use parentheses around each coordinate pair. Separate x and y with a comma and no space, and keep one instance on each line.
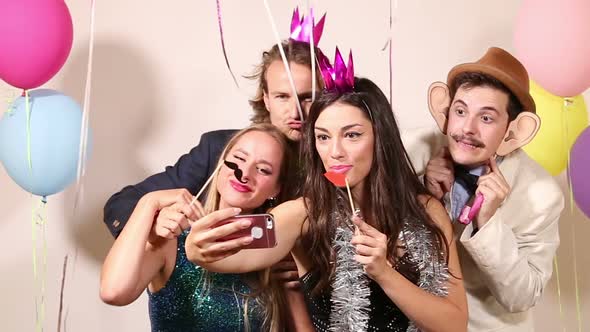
(556,266)
(577,289)
(38,225)
(42,220)
(566,105)
(28,111)
(35,276)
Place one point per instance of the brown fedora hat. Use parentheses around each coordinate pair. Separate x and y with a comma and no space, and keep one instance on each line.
(504,67)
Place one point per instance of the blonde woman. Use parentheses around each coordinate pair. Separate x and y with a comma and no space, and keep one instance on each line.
(149,253)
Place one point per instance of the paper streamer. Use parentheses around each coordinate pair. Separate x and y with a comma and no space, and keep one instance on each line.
(313,60)
(284,57)
(391,53)
(220,23)
(84,129)
(312,52)
(388,45)
(61,293)
(392,18)
(72,273)
(83,152)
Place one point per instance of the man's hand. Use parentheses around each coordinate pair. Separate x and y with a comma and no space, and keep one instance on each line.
(439,175)
(286,272)
(494,189)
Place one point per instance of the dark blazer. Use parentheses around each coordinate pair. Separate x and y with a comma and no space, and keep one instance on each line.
(190,172)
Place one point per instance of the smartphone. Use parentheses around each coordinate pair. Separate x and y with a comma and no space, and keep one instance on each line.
(262,230)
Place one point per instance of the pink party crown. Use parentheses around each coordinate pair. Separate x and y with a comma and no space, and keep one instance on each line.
(338,78)
(301,28)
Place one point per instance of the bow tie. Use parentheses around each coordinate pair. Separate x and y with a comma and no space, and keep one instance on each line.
(466,179)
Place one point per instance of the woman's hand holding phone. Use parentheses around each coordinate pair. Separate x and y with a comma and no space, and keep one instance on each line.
(261,229)
(205,235)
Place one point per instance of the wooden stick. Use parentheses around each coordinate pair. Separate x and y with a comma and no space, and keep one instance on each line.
(206,184)
(356,229)
(349,195)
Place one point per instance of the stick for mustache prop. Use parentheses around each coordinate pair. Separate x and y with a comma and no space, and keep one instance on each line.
(237,172)
(206,184)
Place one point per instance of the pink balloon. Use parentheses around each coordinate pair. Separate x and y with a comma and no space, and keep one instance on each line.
(552,40)
(35,40)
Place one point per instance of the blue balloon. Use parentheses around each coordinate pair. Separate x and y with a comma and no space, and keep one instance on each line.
(55,123)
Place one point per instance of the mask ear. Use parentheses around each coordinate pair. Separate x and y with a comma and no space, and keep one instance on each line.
(519,133)
(439,101)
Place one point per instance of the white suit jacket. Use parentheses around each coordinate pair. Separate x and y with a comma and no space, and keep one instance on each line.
(508,262)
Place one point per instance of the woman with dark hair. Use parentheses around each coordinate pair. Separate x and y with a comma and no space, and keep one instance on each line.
(383,271)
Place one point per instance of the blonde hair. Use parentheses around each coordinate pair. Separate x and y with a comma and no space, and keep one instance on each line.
(269,293)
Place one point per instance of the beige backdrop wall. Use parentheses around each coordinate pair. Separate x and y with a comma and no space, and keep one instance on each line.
(160,81)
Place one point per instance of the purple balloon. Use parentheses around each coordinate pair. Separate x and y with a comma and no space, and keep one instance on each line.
(579,171)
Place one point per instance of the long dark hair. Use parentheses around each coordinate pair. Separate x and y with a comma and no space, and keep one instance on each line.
(391,190)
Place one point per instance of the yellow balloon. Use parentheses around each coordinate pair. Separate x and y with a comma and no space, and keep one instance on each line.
(560,126)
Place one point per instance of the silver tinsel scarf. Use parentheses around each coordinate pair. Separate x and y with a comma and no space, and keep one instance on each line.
(350,287)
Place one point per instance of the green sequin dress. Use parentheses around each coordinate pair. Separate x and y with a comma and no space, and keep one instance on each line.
(183,305)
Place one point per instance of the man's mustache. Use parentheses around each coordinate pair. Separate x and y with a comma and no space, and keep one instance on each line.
(468,140)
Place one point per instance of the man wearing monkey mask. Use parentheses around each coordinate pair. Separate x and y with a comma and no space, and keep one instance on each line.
(507,244)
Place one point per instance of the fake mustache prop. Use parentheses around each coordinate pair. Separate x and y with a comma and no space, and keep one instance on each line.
(237,171)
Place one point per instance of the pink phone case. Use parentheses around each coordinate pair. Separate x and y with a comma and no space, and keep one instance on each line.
(262,230)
